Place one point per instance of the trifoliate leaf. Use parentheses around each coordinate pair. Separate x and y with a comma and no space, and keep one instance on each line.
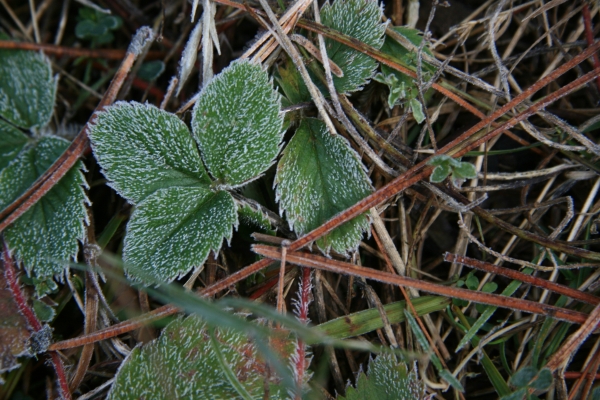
(45,238)
(174,229)
(183,364)
(142,149)
(12,142)
(387,379)
(238,124)
(360,19)
(27,88)
(318,176)
(401,86)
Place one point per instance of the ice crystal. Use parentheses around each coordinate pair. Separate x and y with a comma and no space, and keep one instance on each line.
(318,176)
(27,88)
(360,19)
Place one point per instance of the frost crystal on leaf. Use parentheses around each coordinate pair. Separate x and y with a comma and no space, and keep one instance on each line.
(12,142)
(46,237)
(142,149)
(182,364)
(318,176)
(360,19)
(387,379)
(27,88)
(238,124)
(174,229)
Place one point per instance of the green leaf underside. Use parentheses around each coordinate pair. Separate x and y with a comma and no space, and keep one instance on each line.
(387,379)
(27,88)
(173,230)
(142,149)
(318,176)
(360,19)
(403,87)
(182,364)
(238,124)
(45,238)
(12,142)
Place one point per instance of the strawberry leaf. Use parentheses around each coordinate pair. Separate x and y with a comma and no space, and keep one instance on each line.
(318,176)
(360,19)
(440,173)
(174,229)
(46,237)
(238,124)
(185,363)
(142,149)
(387,379)
(27,88)
(12,142)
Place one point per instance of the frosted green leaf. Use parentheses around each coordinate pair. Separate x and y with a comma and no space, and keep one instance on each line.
(12,142)
(142,149)
(318,176)
(27,88)
(465,170)
(183,364)
(387,379)
(440,173)
(360,19)
(255,218)
(173,230)
(238,124)
(46,237)
(402,87)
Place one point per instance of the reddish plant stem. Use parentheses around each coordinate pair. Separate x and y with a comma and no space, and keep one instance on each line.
(27,312)
(70,156)
(326,264)
(59,51)
(573,342)
(519,276)
(589,36)
(577,375)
